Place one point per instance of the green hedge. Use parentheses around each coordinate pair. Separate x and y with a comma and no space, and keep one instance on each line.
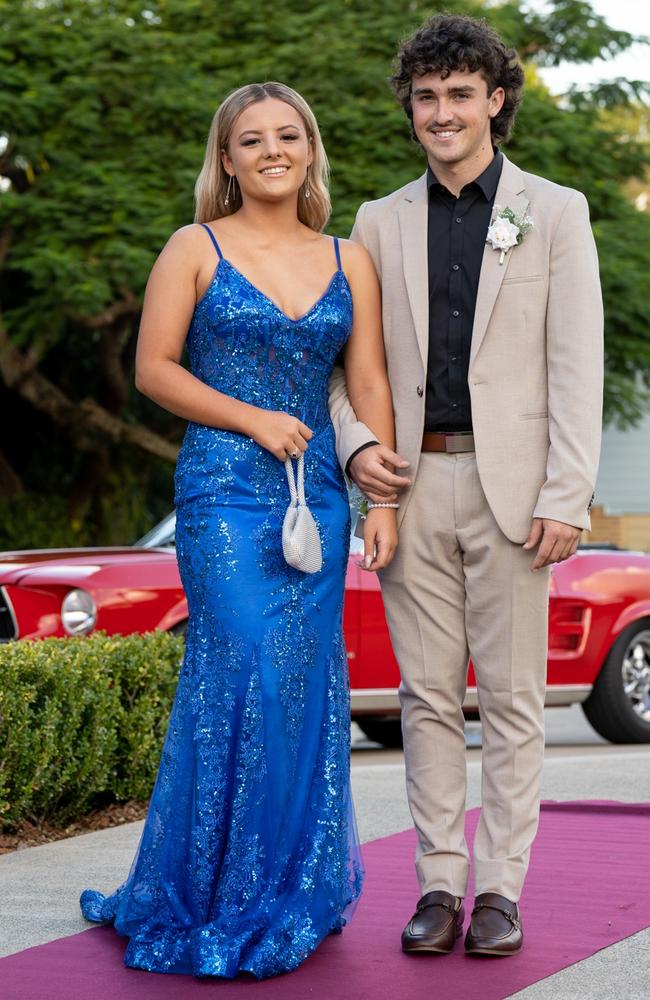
(82,722)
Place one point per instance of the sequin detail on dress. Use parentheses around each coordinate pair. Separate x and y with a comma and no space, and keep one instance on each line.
(249,855)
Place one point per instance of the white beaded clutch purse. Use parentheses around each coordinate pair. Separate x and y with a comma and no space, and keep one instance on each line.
(300,538)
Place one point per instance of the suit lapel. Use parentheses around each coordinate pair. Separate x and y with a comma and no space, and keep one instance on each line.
(413,224)
(509,194)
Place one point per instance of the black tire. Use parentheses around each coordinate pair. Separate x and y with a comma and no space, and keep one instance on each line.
(608,708)
(387,731)
(180,628)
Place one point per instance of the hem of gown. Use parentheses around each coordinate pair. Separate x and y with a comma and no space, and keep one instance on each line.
(93,908)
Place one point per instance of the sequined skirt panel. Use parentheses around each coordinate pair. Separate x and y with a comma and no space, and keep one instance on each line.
(249,855)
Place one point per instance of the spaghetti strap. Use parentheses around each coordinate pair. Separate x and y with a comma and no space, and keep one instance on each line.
(337,252)
(212,237)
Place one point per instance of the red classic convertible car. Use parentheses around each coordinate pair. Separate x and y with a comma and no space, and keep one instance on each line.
(599,634)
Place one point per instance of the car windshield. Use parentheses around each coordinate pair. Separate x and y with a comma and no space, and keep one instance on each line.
(163,536)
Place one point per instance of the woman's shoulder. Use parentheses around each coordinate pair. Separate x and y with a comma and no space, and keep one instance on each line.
(190,244)
(353,255)
(189,235)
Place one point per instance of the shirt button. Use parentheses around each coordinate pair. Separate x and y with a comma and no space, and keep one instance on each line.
(454,405)
(455,267)
(455,313)
(420,390)
(458,218)
(454,357)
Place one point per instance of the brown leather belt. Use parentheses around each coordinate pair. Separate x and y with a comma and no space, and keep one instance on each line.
(452,443)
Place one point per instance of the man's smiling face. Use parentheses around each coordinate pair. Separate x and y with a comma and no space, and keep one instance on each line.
(451,116)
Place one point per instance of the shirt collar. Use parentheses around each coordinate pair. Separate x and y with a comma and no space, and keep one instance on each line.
(487,181)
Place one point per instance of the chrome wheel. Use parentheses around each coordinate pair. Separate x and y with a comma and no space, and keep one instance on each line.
(635,670)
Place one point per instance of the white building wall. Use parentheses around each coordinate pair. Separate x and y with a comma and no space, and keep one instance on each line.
(623,485)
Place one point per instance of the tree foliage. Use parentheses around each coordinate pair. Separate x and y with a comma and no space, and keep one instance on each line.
(104,110)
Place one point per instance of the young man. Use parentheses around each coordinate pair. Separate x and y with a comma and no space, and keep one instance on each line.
(493,330)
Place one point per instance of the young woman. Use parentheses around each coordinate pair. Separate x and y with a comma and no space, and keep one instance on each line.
(249,857)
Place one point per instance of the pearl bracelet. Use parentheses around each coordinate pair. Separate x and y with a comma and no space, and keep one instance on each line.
(367,505)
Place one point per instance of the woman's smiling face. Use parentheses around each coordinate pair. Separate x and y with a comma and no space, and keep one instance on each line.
(268,150)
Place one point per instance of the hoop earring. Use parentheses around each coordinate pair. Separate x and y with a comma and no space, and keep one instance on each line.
(227,198)
(307,191)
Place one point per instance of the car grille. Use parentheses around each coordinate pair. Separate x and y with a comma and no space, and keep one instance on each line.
(7,625)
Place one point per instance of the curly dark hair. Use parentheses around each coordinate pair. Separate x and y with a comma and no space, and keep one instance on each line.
(450,42)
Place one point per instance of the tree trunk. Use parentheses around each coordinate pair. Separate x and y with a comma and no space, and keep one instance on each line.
(93,470)
(87,423)
(10,482)
(115,382)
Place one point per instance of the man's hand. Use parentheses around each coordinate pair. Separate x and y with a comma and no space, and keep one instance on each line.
(370,473)
(557,541)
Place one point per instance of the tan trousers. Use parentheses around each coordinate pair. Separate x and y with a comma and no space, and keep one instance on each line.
(459,588)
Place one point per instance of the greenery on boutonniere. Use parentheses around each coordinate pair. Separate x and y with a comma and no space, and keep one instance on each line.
(507,230)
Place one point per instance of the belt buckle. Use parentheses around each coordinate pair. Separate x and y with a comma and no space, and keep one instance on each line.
(454,443)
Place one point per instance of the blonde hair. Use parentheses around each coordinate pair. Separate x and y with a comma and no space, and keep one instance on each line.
(212,182)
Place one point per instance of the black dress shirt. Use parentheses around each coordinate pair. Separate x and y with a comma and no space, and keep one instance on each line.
(457,228)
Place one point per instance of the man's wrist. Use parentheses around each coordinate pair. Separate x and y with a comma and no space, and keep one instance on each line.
(368,444)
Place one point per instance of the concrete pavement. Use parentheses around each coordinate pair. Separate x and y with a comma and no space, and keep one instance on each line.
(40,886)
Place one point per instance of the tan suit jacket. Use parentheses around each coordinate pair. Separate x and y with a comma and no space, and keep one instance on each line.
(536,362)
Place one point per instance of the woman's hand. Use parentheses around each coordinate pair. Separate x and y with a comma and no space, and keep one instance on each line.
(379,538)
(279,433)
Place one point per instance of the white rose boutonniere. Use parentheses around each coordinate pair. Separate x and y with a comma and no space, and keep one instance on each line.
(507,230)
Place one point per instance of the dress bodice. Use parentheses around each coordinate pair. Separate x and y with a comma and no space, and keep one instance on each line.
(241,343)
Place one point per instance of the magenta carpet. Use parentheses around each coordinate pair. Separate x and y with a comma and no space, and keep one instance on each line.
(588,886)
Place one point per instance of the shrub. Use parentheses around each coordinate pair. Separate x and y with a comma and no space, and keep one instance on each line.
(32,521)
(82,722)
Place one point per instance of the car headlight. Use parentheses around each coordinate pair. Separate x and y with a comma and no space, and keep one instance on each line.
(78,612)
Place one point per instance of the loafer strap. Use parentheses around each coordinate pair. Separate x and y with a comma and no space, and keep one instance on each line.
(508,914)
(439,898)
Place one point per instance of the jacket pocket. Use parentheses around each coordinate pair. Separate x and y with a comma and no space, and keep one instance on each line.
(522,279)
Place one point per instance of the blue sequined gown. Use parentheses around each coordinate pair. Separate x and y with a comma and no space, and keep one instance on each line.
(249,856)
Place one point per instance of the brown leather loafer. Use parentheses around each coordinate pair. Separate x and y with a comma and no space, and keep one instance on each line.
(495,928)
(435,925)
